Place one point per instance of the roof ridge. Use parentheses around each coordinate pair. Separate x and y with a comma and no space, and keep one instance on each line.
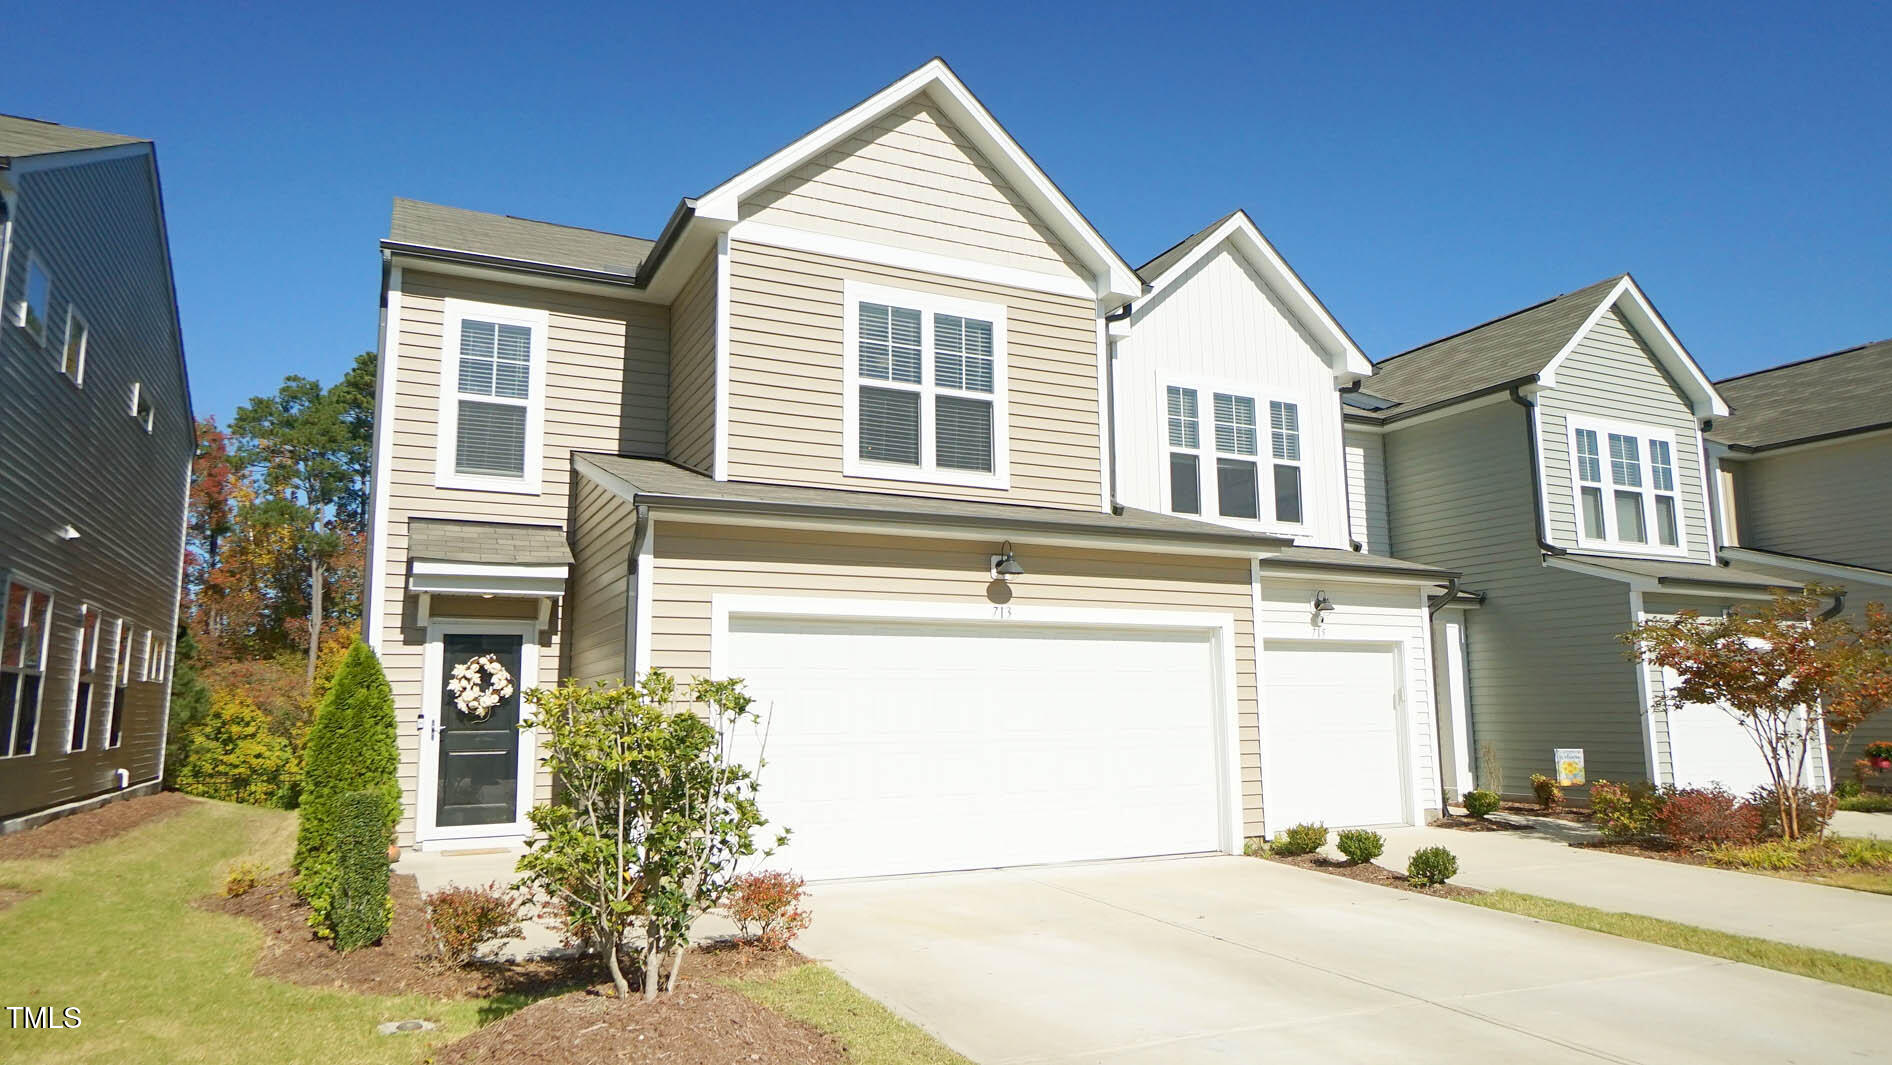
(1500,318)
(1197,233)
(522,218)
(1803,362)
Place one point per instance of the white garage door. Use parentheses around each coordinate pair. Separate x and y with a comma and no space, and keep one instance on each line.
(1708,747)
(1333,735)
(899,747)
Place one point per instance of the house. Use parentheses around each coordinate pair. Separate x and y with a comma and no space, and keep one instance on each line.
(94,466)
(1804,476)
(1555,458)
(845,429)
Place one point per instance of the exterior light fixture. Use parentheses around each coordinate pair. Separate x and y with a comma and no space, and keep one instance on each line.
(1323,606)
(66,532)
(1005,564)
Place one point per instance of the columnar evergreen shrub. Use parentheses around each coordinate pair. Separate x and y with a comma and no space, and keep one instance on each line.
(1481,804)
(1430,867)
(361,908)
(1301,839)
(351,748)
(1360,844)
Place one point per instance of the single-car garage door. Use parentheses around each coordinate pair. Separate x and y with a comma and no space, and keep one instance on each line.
(899,747)
(1333,749)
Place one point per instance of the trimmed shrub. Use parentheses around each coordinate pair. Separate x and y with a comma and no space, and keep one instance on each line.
(1360,845)
(1848,789)
(1867,803)
(1815,809)
(463,920)
(1430,867)
(1301,839)
(351,748)
(1625,811)
(230,754)
(1550,795)
(767,909)
(1697,816)
(242,878)
(1481,803)
(361,909)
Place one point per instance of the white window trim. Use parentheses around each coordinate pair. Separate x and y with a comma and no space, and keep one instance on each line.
(928,304)
(456,311)
(137,393)
(144,657)
(1264,420)
(33,262)
(59,367)
(1206,388)
(84,671)
(45,648)
(121,680)
(1602,427)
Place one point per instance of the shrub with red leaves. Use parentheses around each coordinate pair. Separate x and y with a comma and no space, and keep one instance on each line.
(767,909)
(1700,816)
(462,920)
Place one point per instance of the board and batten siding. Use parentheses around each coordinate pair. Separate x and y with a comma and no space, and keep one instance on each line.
(76,456)
(1831,502)
(912,180)
(693,371)
(695,562)
(1544,667)
(1611,374)
(593,347)
(786,368)
(1219,326)
(1366,490)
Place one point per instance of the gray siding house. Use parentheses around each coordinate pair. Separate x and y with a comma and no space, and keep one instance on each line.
(94,464)
(1555,458)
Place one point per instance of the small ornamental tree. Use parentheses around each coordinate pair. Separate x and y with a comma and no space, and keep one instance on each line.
(231,754)
(652,816)
(1770,669)
(352,747)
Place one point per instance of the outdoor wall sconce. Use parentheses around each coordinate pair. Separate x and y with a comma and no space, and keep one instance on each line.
(66,533)
(1005,564)
(1323,606)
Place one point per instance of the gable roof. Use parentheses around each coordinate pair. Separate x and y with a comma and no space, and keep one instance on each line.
(1238,231)
(1528,347)
(1837,394)
(21,137)
(418,224)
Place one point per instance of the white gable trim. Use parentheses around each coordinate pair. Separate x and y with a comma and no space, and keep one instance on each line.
(1240,232)
(1113,279)
(1628,297)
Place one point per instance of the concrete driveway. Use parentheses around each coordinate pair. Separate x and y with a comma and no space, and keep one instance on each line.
(1241,960)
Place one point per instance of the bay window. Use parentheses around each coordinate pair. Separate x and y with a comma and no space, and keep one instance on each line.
(1626,487)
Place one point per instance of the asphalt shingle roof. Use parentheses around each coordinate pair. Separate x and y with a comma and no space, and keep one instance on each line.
(432,225)
(1153,269)
(1845,392)
(486,542)
(21,136)
(1511,348)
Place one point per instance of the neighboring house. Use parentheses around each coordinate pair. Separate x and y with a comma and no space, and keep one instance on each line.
(94,463)
(1555,458)
(844,430)
(1805,476)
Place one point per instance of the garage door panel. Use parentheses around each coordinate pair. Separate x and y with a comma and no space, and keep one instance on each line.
(1336,753)
(901,747)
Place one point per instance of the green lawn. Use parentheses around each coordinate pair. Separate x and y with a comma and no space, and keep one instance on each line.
(1863,973)
(111,930)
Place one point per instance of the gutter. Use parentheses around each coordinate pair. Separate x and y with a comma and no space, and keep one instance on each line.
(1369,418)
(1762,449)
(1537,483)
(529,266)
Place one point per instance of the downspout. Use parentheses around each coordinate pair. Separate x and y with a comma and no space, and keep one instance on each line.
(1537,482)
(1839,604)
(1110,397)
(1451,593)
(640,531)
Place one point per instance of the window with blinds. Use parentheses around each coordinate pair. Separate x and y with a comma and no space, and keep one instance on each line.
(1236,447)
(1284,432)
(494,381)
(1185,447)
(1630,499)
(925,389)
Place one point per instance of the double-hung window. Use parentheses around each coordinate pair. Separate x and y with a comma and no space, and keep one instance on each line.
(925,386)
(72,355)
(1184,417)
(22,667)
(85,668)
(492,390)
(1216,462)
(1284,427)
(121,682)
(1236,449)
(1626,486)
(37,304)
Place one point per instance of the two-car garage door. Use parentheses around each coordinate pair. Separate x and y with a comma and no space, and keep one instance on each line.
(897,746)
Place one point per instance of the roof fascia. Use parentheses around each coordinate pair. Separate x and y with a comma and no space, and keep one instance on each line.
(1839,436)
(513,271)
(1635,305)
(26,164)
(1823,567)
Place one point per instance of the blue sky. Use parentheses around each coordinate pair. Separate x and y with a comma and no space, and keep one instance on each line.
(1424,169)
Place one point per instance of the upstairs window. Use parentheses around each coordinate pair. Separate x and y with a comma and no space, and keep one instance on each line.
(85,667)
(22,667)
(1185,451)
(1626,492)
(1236,448)
(121,683)
(491,403)
(72,354)
(141,405)
(925,388)
(1284,427)
(37,304)
(1219,461)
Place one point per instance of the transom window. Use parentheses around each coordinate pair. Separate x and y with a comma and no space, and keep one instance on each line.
(925,388)
(491,403)
(22,667)
(1626,485)
(1234,445)
(37,304)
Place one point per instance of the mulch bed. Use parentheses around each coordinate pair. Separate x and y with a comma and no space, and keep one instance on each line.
(1647,848)
(1467,823)
(1368,873)
(92,826)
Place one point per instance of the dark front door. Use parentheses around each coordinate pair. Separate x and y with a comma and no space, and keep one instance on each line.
(479,757)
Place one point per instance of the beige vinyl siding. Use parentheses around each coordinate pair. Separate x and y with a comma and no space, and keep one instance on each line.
(694,562)
(1366,490)
(598,593)
(76,456)
(693,371)
(590,342)
(1543,664)
(1612,374)
(1831,502)
(913,180)
(786,369)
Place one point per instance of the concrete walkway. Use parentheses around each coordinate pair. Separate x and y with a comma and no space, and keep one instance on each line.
(1851,922)
(1222,959)
(1851,823)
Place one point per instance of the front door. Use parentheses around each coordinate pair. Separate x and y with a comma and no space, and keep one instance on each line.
(478,757)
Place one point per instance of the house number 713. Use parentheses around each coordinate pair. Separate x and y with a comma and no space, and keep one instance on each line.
(1001,612)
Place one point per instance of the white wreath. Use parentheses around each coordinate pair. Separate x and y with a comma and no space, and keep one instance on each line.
(474,695)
